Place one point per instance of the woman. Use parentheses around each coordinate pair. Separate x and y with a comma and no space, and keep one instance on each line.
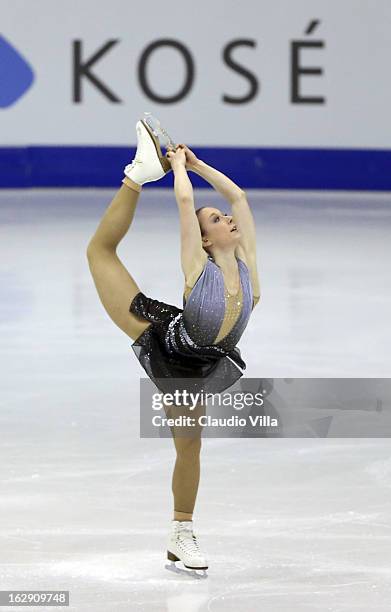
(218,257)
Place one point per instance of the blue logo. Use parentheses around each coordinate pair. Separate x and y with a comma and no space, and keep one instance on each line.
(16,75)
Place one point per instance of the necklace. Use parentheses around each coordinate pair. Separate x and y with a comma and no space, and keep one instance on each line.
(235,297)
(226,292)
(232,294)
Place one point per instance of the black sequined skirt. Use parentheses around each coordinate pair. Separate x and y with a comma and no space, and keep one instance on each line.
(166,352)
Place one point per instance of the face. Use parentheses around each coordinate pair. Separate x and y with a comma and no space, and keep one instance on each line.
(218,228)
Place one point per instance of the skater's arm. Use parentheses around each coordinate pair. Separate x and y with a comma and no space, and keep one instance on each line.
(182,185)
(219,181)
(243,218)
(193,256)
(241,212)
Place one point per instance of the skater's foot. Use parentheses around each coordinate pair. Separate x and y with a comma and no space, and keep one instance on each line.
(183,546)
(149,163)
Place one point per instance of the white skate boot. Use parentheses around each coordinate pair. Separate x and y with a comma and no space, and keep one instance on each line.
(183,546)
(149,163)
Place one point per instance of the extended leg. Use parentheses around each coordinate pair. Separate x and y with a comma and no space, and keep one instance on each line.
(115,286)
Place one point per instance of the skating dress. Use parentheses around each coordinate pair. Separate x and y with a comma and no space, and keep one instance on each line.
(191,343)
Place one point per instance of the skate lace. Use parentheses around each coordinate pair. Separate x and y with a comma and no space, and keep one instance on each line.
(188,541)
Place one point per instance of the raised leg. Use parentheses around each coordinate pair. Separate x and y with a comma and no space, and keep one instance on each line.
(115,286)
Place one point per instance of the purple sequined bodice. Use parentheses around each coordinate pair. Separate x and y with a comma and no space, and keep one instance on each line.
(204,310)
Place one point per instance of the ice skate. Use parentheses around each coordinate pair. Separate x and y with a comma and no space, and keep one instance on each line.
(149,163)
(183,547)
(158,131)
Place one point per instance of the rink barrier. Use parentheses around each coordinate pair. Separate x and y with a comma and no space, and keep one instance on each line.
(251,168)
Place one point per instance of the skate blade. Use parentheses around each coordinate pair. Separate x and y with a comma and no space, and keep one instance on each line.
(191,573)
(159,131)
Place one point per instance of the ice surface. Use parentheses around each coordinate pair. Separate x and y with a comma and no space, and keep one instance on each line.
(288,524)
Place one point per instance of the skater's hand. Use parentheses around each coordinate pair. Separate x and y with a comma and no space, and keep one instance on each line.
(191,158)
(176,157)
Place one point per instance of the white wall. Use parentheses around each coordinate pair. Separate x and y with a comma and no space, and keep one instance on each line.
(355,60)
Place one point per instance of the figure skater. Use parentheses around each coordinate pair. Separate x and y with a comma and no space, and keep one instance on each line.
(218,258)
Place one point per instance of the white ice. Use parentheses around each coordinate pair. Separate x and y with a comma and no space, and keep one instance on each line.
(288,524)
